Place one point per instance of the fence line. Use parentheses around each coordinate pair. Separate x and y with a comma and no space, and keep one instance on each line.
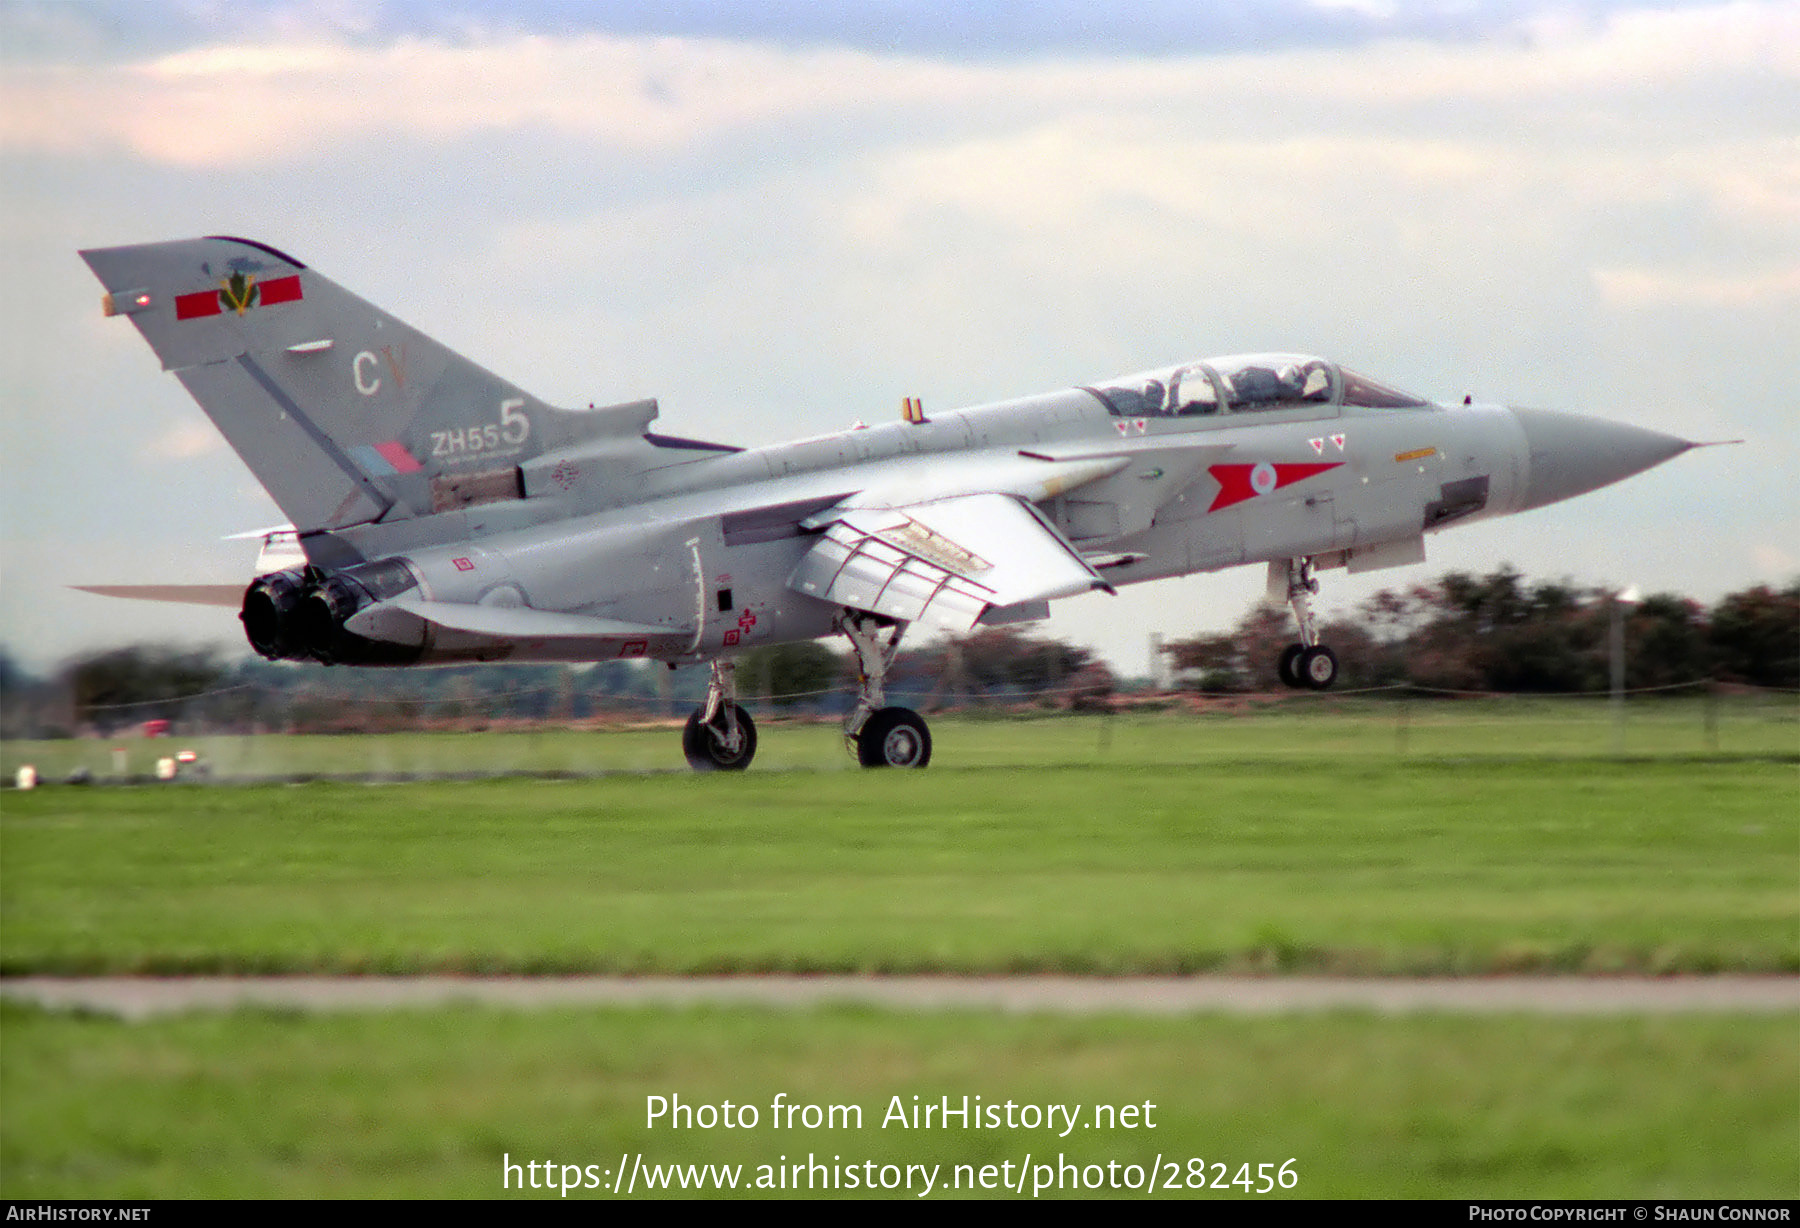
(1002,695)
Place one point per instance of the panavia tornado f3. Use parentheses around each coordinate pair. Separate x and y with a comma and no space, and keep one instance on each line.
(443,514)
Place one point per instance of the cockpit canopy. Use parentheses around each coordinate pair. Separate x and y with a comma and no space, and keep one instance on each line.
(1247,383)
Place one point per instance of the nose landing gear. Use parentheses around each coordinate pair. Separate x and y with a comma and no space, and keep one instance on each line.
(1308,664)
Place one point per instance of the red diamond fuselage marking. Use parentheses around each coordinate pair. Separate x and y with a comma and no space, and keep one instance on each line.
(1235,480)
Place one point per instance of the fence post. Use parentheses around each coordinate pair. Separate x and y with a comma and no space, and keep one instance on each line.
(1617,640)
(1620,600)
(1711,716)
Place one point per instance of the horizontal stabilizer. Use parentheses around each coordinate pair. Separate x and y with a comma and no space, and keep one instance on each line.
(228,595)
(946,562)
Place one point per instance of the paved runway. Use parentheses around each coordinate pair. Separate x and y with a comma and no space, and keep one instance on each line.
(143,997)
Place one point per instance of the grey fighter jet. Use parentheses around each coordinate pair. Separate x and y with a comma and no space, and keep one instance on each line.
(447,515)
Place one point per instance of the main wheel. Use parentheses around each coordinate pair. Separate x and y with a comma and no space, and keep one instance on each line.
(704,743)
(1289,665)
(1317,667)
(894,737)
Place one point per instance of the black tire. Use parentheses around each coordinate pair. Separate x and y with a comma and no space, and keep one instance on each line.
(894,737)
(1317,667)
(704,748)
(1288,666)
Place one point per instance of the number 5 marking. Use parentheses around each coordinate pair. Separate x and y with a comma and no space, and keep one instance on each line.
(515,427)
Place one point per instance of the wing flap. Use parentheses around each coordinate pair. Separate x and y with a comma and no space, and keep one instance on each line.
(945,562)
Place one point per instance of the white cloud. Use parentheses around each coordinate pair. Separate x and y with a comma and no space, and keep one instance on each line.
(1379,10)
(240,105)
(189,439)
(1778,563)
(237,104)
(1642,288)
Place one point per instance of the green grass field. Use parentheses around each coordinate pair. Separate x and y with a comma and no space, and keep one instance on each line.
(1235,857)
(1464,840)
(259,1104)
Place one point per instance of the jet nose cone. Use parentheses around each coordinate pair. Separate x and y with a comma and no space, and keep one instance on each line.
(1571,454)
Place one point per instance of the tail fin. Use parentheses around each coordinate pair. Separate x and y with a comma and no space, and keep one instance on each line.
(346,415)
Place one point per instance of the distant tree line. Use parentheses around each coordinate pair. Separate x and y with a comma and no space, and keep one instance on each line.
(1461,632)
(202,689)
(126,688)
(1499,632)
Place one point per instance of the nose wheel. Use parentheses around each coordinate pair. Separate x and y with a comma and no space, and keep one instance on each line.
(1318,667)
(894,737)
(1288,665)
(1308,665)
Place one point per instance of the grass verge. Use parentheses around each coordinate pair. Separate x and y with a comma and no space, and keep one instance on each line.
(427,1103)
(1291,864)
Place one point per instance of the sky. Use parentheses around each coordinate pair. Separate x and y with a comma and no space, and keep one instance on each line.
(782,218)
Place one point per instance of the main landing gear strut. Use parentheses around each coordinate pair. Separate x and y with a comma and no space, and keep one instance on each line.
(720,736)
(1308,663)
(877,735)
